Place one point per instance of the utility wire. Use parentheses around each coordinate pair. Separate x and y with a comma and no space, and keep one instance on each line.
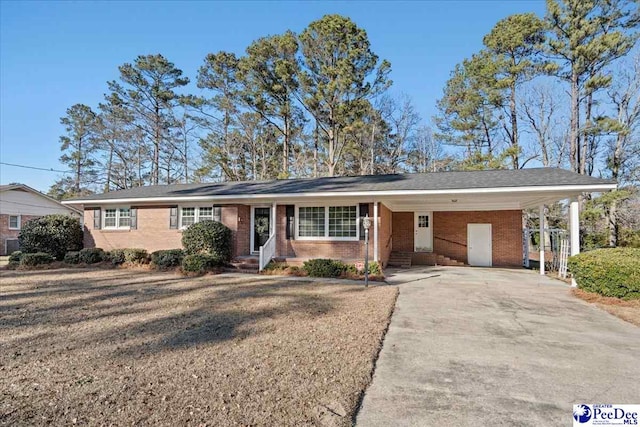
(33,167)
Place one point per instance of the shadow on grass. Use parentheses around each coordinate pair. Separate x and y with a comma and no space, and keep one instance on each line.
(150,312)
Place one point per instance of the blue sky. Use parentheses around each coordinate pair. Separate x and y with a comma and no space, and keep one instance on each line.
(56,54)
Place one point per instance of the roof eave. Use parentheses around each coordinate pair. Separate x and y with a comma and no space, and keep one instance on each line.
(570,190)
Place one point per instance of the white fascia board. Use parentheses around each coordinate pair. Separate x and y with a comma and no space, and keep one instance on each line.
(568,189)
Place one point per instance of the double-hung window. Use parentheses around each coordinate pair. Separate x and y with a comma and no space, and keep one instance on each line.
(191,215)
(117,218)
(14,222)
(328,222)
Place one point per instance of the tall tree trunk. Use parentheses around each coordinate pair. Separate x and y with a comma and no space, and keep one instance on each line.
(107,186)
(285,147)
(140,182)
(613,224)
(316,142)
(587,137)
(332,147)
(78,167)
(186,159)
(574,138)
(373,143)
(514,128)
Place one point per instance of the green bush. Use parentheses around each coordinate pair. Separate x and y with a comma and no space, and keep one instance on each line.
(208,237)
(136,256)
(116,256)
(52,234)
(38,258)
(72,257)
(129,255)
(630,238)
(92,255)
(14,259)
(198,263)
(294,269)
(167,258)
(374,268)
(324,267)
(276,266)
(15,256)
(608,272)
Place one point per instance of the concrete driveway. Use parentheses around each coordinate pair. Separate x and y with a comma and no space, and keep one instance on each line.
(475,346)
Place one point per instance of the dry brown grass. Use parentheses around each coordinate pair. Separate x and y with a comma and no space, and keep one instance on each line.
(626,310)
(118,347)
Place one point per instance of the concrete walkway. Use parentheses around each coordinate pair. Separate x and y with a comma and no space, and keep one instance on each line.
(474,346)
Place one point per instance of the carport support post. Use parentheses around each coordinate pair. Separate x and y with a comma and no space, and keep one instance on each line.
(541,240)
(574,231)
(375,231)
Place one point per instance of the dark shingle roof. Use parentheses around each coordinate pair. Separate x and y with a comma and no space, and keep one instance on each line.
(368,183)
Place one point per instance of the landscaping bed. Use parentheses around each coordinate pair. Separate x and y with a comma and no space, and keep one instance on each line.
(626,310)
(102,347)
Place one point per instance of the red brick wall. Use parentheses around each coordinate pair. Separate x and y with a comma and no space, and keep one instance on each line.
(346,250)
(384,233)
(402,230)
(6,234)
(506,229)
(153,232)
(243,226)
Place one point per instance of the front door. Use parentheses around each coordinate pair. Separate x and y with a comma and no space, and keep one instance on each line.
(261,227)
(423,241)
(479,245)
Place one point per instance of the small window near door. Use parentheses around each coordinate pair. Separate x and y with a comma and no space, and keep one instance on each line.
(423,221)
(14,222)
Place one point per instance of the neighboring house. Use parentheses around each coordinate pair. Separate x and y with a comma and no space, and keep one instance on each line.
(20,203)
(468,217)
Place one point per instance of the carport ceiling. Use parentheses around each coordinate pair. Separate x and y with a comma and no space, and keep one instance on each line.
(474,202)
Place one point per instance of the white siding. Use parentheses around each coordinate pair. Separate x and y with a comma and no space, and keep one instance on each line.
(20,202)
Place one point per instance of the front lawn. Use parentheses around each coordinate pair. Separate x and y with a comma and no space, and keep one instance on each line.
(123,347)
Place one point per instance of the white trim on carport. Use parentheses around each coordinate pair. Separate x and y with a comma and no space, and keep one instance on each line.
(567,190)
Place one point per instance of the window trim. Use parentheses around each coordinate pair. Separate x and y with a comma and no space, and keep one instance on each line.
(19,217)
(117,218)
(326,237)
(196,217)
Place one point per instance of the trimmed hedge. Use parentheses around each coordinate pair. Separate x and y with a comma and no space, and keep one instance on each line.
(116,256)
(52,234)
(324,267)
(130,255)
(15,256)
(199,263)
(72,257)
(609,272)
(208,237)
(168,258)
(38,258)
(92,255)
(136,256)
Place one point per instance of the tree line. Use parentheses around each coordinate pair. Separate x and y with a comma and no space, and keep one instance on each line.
(308,104)
(560,90)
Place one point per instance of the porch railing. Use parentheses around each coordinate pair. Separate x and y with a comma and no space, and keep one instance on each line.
(267,252)
(449,241)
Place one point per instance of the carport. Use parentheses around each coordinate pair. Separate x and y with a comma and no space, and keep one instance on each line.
(479,226)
